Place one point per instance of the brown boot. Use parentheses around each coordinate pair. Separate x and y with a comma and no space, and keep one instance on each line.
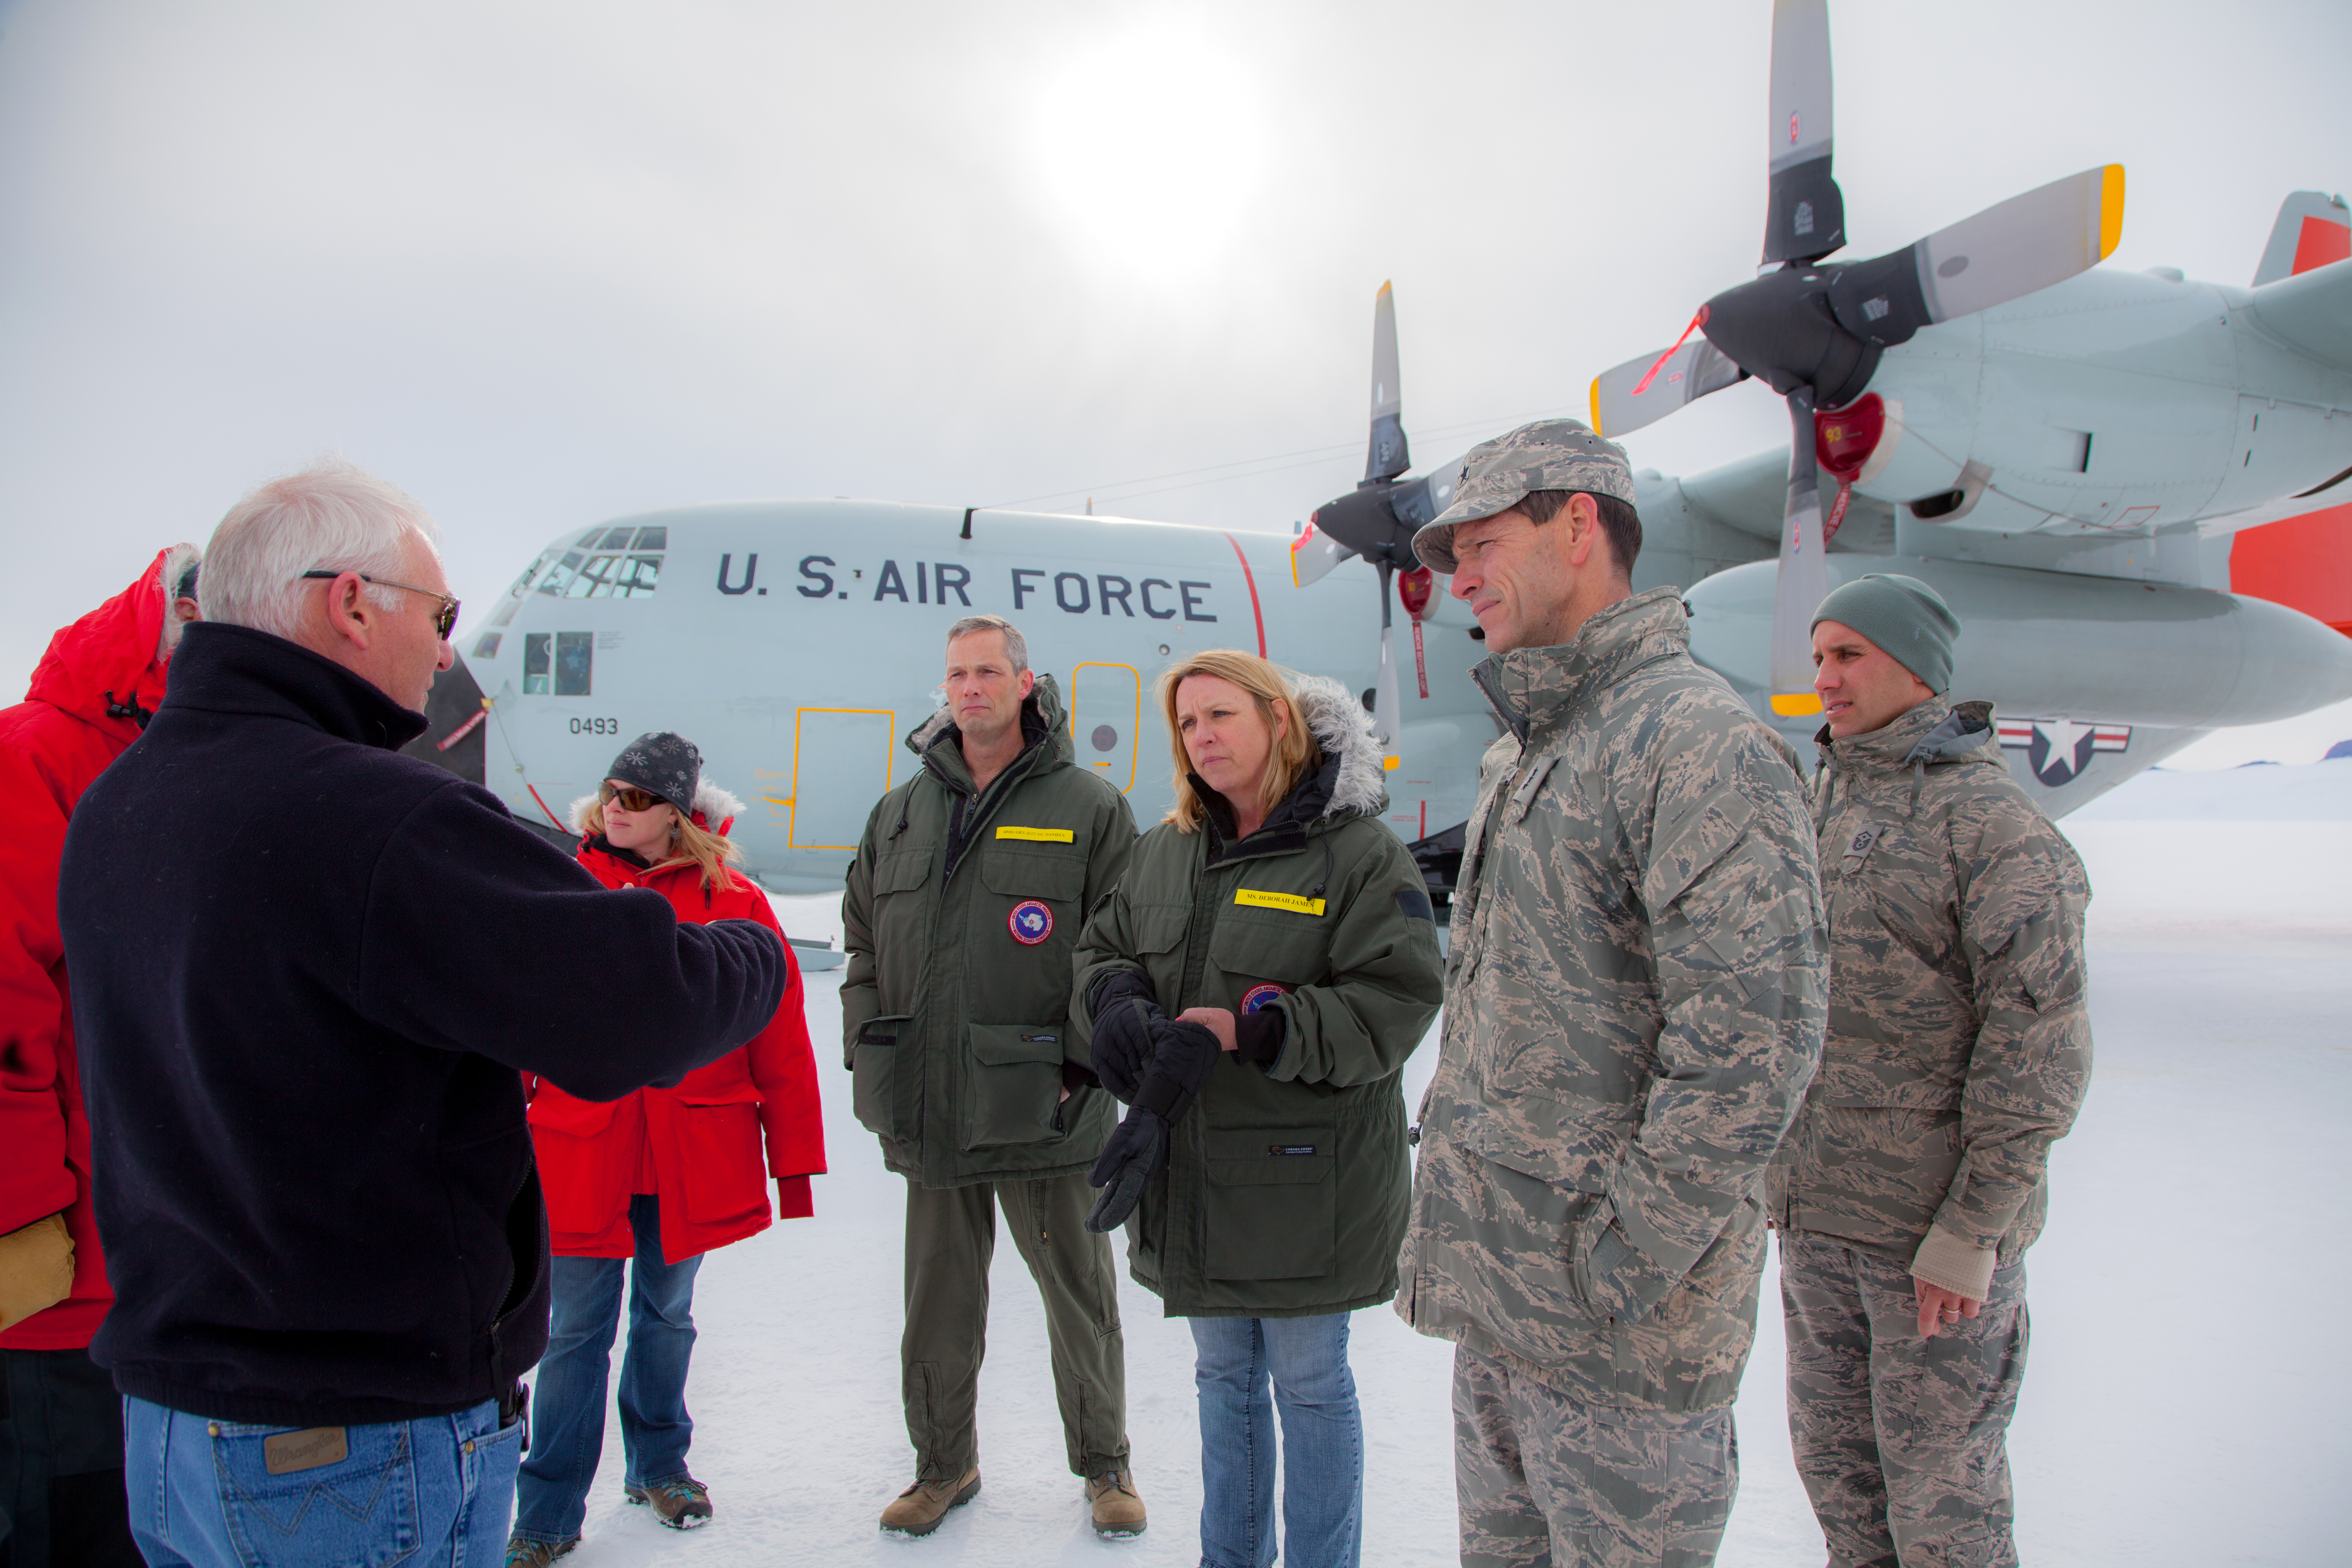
(1118,1509)
(920,1508)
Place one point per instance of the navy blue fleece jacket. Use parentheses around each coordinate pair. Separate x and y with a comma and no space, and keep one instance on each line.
(306,970)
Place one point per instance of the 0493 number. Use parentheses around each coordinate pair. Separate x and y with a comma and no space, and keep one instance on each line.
(595,726)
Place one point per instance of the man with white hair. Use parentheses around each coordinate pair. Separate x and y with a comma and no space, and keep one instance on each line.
(306,971)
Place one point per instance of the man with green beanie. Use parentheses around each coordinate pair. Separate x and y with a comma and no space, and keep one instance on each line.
(1958,1050)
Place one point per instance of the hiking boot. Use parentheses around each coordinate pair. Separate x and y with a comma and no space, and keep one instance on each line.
(919,1509)
(682,1504)
(527,1553)
(1118,1507)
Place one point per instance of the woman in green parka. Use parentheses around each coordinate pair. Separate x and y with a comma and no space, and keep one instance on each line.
(1251,987)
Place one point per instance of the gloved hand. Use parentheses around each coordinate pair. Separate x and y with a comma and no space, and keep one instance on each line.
(1138,1147)
(1182,1056)
(1125,1011)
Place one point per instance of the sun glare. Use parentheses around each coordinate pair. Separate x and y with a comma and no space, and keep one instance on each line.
(1149,146)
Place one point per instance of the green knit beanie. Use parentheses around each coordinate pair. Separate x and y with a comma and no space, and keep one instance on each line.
(1903,615)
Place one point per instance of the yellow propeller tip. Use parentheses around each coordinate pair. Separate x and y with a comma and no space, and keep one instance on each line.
(1390,764)
(2111,210)
(1795,704)
(1596,430)
(1385,287)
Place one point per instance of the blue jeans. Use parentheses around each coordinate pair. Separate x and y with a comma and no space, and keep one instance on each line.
(434,1490)
(567,1409)
(1322,1442)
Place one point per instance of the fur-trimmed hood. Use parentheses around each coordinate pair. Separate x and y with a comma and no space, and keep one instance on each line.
(1342,727)
(714,807)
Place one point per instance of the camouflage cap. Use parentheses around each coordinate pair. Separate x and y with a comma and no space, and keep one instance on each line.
(1549,454)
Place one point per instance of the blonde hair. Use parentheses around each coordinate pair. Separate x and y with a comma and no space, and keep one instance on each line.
(689,845)
(1295,754)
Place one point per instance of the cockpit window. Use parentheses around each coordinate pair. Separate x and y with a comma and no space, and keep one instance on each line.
(606,576)
(589,540)
(594,580)
(618,539)
(637,578)
(559,575)
(523,581)
(656,538)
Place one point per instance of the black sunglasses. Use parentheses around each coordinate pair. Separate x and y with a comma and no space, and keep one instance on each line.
(443,624)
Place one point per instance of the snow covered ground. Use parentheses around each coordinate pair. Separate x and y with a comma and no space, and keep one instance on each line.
(2189,1370)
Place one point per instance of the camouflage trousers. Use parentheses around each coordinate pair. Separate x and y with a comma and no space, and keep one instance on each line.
(1901,1441)
(1543,1481)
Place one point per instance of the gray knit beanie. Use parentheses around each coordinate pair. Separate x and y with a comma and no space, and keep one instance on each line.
(661,764)
(1903,615)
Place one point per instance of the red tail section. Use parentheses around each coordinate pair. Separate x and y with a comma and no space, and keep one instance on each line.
(2303,562)
(2314,228)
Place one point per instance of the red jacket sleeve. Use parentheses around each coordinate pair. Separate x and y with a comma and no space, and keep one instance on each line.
(784,1068)
(34,1181)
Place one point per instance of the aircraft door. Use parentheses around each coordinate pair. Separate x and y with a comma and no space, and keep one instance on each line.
(841,761)
(1105,712)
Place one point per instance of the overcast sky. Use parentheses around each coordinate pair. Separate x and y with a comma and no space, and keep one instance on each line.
(542,264)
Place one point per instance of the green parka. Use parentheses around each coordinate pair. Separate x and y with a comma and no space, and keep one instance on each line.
(1286,1188)
(960,917)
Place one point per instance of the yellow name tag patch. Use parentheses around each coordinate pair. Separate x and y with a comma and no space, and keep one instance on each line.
(1040,835)
(1291,901)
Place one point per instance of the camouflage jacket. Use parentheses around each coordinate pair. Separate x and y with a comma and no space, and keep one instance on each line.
(1958,1042)
(1635,1002)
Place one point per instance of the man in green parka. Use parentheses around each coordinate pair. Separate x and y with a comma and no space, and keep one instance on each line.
(961,915)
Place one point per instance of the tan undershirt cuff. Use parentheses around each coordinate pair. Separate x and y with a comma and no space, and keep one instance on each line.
(1945,1259)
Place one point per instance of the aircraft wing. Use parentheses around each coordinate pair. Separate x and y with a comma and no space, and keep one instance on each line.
(1751,493)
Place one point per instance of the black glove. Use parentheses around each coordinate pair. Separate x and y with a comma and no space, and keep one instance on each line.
(1182,1055)
(1125,1010)
(1138,1147)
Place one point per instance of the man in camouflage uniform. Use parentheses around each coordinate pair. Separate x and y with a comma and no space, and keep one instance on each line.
(1958,1053)
(1635,1002)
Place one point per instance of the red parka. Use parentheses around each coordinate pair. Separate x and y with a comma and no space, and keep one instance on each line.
(697,1146)
(89,695)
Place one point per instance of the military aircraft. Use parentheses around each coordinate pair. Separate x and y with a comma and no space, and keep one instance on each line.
(2062,451)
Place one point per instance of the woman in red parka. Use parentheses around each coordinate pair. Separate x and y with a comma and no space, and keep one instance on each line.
(660,1176)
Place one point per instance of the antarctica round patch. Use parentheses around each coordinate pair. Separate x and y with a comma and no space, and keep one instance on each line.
(1257,998)
(1030,923)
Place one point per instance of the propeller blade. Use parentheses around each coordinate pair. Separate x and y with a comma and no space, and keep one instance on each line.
(1387,700)
(1805,220)
(1389,456)
(2026,243)
(1644,391)
(1803,579)
(1313,554)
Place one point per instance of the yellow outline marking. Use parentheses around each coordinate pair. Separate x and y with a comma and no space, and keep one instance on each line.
(2111,210)
(1293,902)
(1135,736)
(890,756)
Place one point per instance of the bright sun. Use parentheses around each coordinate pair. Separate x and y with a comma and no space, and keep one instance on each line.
(1150,144)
